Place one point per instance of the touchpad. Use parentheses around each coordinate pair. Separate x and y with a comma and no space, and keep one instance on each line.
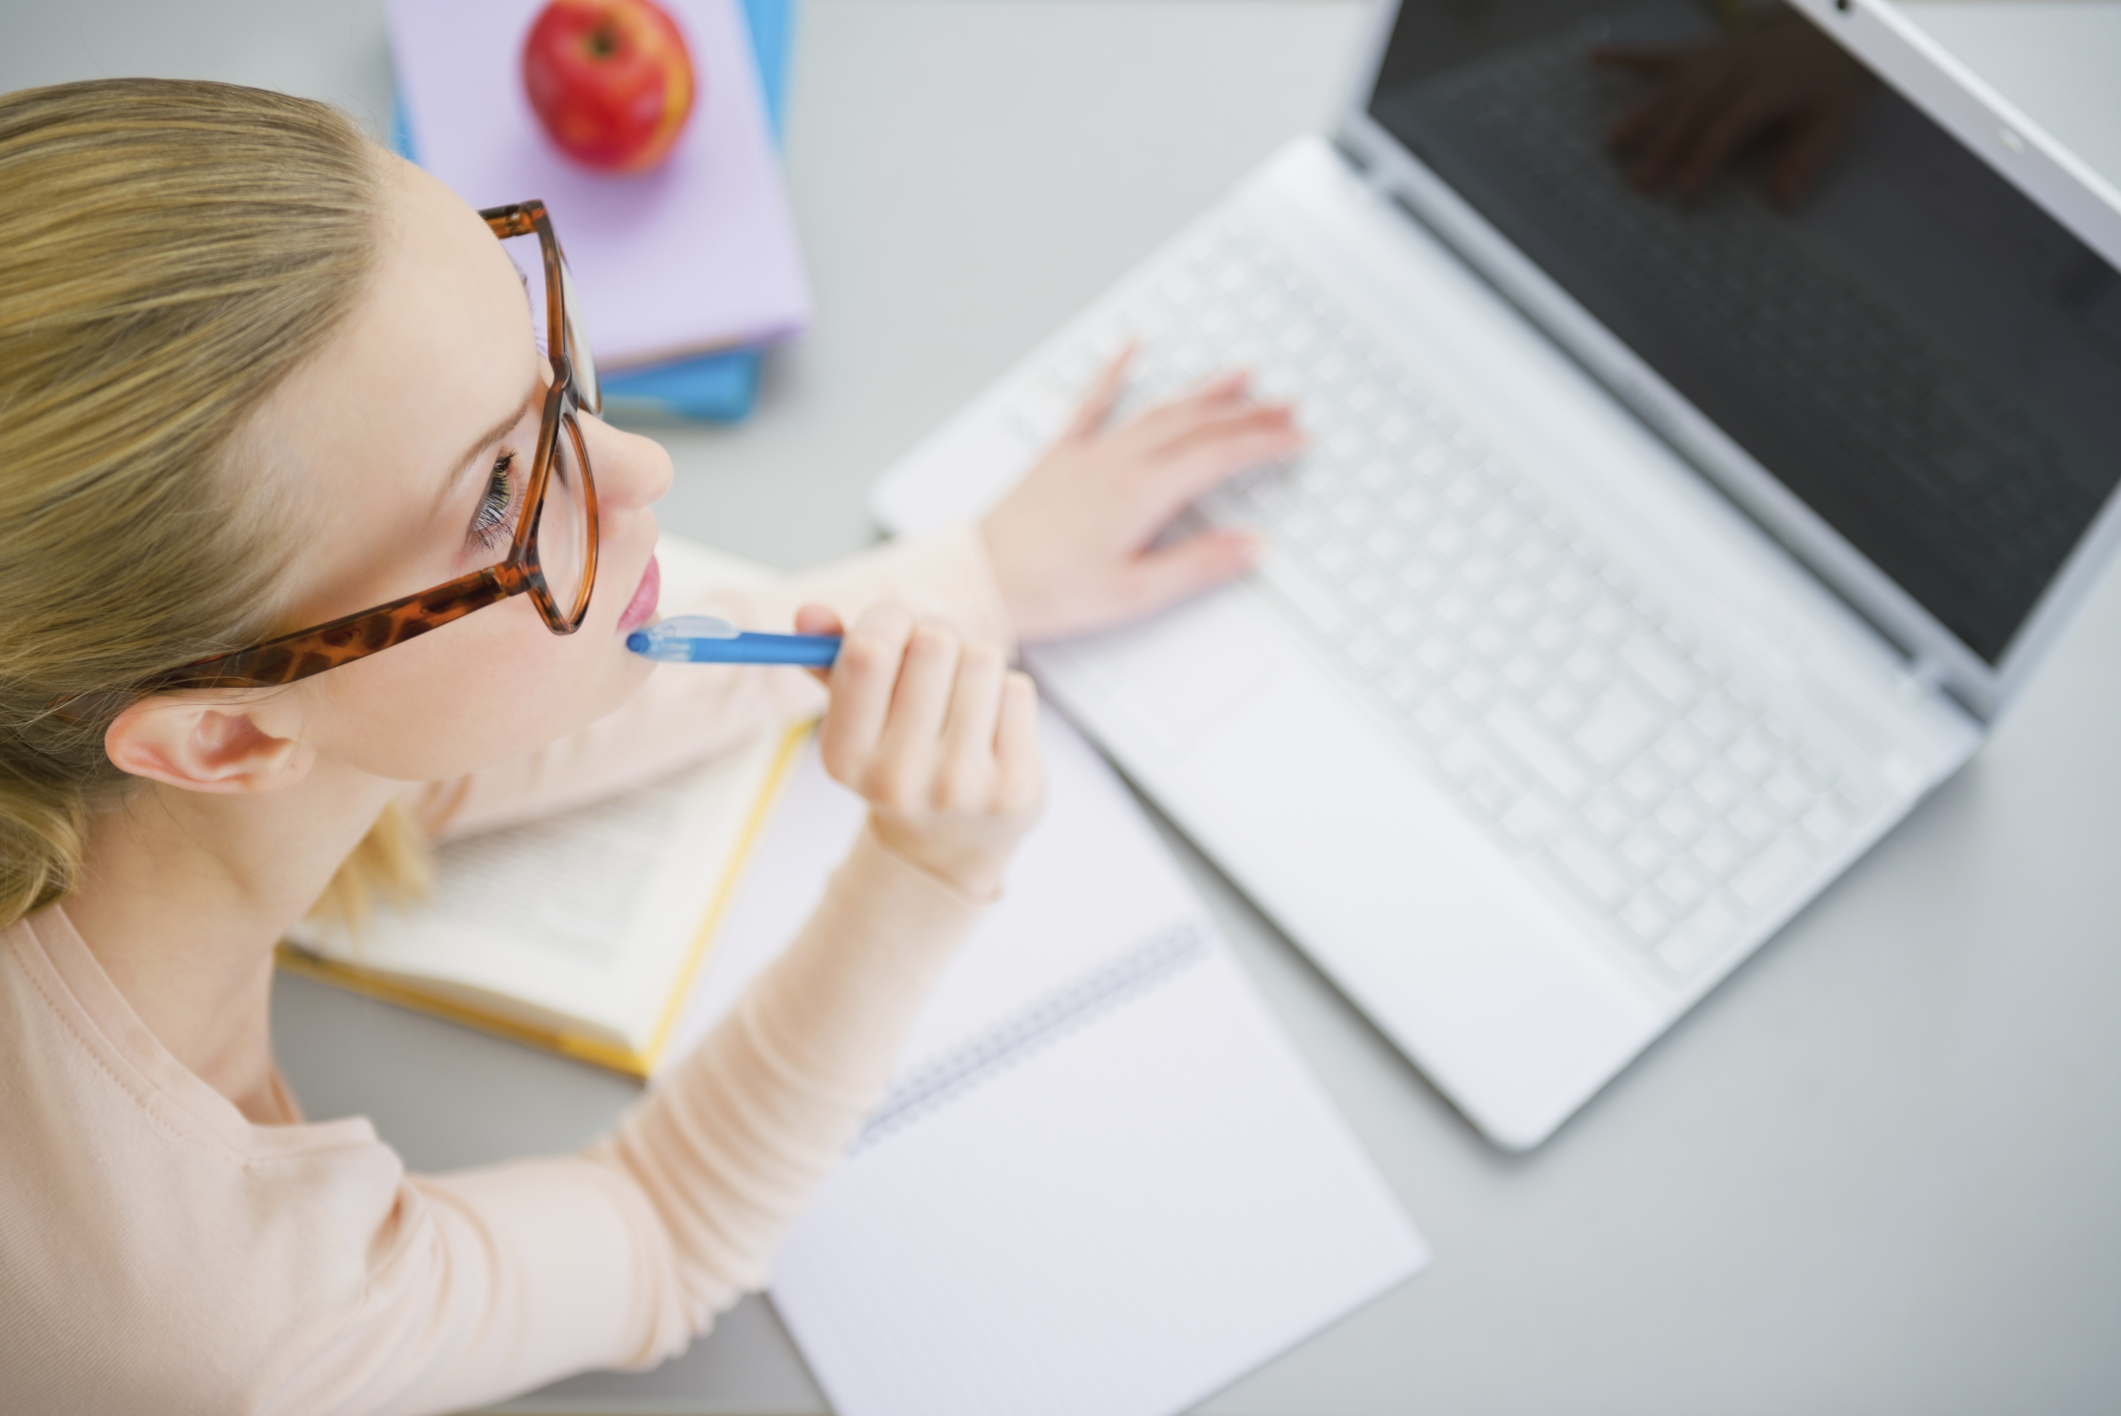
(1176,677)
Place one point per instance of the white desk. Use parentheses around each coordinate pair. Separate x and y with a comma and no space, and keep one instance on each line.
(1875,1172)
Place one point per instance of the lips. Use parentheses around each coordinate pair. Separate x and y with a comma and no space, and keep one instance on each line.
(641,608)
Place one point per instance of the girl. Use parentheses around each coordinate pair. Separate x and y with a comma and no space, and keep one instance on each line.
(307,553)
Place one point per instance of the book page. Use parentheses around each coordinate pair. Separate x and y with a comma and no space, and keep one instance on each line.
(586,918)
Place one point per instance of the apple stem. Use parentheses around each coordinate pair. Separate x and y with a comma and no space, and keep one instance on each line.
(604,40)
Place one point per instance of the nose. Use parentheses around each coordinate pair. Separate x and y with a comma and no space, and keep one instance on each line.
(630,471)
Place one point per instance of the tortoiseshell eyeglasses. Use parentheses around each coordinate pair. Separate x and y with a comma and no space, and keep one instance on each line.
(551,556)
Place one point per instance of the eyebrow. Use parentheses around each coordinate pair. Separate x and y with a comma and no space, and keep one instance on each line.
(487,439)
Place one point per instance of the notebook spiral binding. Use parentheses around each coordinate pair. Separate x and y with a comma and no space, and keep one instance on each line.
(1034,1029)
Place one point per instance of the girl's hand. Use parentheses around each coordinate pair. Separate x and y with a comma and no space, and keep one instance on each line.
(1072,545)
(940,737)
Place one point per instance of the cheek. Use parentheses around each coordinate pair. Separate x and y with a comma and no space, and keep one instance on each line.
(493,686)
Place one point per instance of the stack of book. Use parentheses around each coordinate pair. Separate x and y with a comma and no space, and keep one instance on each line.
(685,272)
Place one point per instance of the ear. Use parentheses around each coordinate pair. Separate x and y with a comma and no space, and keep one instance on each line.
(223,747)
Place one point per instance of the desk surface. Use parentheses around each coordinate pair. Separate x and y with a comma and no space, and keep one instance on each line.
(1874,1171)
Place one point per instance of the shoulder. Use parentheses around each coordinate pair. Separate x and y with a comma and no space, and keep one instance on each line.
(157,1251)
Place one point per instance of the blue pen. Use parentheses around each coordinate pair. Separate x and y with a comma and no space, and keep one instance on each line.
(703,639)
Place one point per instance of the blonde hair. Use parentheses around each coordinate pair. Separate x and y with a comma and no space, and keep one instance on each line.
(169,253)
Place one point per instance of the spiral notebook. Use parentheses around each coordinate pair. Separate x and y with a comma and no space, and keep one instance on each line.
(1103,1180)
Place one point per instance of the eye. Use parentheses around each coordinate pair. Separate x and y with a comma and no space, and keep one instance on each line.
(493,523)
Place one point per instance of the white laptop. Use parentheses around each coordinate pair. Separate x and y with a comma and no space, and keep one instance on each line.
(1650,559)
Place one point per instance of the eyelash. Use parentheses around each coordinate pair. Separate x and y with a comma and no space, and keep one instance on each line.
(491,525)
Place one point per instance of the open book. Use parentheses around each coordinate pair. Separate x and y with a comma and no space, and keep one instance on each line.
(582,934)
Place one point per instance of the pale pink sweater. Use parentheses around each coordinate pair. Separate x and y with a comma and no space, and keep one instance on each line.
(161,1253)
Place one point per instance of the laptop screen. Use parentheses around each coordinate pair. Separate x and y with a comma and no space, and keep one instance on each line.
(1893,330)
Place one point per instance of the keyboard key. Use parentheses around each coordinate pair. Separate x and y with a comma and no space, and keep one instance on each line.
(1827,825)
(1681,751)
(1768,880)
(1617,728)
(1643,921)
(1489,795)
(1684,886)
(1550,636)
(1367,589)
(1588,668)
(1489,640)
(1719,852)
(1420,578)
(1404,688)
(1667,675)
(1605,817)
(1454,608)
(1641,784)
(1750,756)
(1400,621)
(1473,687)
(1644,852)
(1514,604)
(1530,821)
(1605,622)
(1371,652)
(1787,790)
(1524,674)
(1586,869)
(1311,600)
(1701,940)
(1752,822)
(1543,758)
(1716,719)
(1438,656)
(1437,720)
(1679,822)
(1717,787)
(1465,757)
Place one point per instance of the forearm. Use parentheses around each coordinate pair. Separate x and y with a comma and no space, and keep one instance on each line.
(730,1146)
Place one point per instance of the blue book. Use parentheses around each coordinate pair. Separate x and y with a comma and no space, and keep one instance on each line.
(713,387)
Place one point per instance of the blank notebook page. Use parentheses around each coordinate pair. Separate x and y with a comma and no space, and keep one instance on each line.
(1103,1180)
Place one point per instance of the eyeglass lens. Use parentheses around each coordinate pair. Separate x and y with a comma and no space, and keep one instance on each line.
(564,526)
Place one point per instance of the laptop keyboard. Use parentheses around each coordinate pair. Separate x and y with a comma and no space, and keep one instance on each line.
(1588,726)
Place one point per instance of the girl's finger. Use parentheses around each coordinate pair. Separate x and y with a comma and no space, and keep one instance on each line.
(817,619)
(1097,404)
(1198,563)
(862,681)
(1211,459)
(1171,420)
(919,702)
(975,698)
(1020,781)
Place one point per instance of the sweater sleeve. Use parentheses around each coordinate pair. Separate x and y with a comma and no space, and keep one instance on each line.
(496,1280)
(688,712)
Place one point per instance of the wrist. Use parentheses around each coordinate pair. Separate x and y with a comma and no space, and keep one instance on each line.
(973,872)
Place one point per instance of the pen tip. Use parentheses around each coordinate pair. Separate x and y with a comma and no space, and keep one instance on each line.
(637,642)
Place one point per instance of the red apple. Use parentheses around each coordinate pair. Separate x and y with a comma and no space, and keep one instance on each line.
(610,80)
